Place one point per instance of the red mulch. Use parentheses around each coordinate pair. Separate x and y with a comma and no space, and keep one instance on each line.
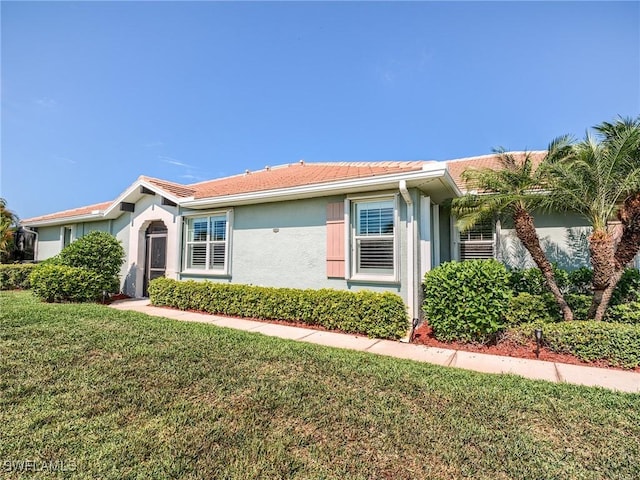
(424,336)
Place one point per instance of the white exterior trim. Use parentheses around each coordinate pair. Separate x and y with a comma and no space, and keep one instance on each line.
(425,235)
(226,271)
(393,278)
(435,216)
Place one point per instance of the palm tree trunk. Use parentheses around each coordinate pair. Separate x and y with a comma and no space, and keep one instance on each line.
(629,244)
(626,250)
(607,294)
(526,232)
(602,260)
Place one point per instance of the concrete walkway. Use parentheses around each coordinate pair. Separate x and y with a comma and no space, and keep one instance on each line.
(535,369)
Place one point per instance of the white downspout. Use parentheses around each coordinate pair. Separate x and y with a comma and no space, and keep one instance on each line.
(411,254)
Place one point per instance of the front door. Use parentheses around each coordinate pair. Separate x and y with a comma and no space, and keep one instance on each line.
(156,258)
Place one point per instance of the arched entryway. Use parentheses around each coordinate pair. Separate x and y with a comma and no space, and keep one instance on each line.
(156,253)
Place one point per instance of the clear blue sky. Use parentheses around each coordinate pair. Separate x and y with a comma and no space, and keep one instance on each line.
(95,94)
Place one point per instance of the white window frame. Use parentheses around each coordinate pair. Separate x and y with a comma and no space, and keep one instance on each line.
(495,226)
(207,271)
(350,210)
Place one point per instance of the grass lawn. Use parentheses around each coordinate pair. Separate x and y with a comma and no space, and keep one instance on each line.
(116,394)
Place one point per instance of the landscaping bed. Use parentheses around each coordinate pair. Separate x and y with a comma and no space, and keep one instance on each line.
(423,335)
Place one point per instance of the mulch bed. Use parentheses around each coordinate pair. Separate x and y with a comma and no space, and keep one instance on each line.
(424,336)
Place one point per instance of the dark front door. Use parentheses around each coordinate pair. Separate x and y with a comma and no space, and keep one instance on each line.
(156,261)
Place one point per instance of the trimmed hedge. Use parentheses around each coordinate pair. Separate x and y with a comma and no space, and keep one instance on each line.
(61,283)
(466,301)
(624,313)
(616,343)
(379,315)
(15,276)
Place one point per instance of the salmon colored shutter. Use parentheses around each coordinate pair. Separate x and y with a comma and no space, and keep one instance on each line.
(335,240)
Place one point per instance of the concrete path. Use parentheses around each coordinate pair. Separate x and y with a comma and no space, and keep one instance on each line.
(534,369)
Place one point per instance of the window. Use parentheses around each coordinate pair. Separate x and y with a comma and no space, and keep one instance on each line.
(66,237)
(206,243)
(374,238)
(478,242)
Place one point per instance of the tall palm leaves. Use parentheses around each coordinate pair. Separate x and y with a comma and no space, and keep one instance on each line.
(600,180)
(7,222)
(513,190)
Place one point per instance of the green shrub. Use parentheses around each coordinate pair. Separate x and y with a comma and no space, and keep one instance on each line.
(624,313)
(380,315)
(526,308)
(580,281)
(466,300)
(616,343)
(628,288)
(97,251)
(61,283)
(15,276)
(579,305)
(532,281)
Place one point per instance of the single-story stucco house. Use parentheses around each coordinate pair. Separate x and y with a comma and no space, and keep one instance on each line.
(362,225)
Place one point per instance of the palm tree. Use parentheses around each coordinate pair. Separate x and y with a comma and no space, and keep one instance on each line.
(600,180)
(513,190)
(8,220)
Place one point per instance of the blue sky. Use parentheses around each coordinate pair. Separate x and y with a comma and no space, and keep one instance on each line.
(95,94)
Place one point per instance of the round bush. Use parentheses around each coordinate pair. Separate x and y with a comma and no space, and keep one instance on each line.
(61,283)
(97,251)
(467,300)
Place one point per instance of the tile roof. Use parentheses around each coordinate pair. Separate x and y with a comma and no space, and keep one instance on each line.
(299,174)
(176,189)
(74,212)
(291,175)
(456,167)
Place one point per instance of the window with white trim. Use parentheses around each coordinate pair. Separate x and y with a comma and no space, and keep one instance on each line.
(374,238)
(206,245)
(478,243)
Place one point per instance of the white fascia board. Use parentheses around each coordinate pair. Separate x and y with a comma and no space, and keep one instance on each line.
(451,183)
(132,195)
(64,220)
(306,191)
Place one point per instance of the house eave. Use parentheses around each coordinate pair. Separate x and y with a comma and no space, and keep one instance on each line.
(63,220)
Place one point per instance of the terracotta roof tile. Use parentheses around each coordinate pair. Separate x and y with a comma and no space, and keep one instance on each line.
(456,167)
(292,175)
(176,189)
(299,174)
(70,213)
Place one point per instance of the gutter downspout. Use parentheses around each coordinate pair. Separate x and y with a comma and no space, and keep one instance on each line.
(411,254)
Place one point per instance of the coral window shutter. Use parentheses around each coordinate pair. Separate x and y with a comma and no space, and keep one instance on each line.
(335,240)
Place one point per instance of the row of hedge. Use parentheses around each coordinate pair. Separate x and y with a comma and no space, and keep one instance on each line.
(15,276)
(380,315)
(616,343)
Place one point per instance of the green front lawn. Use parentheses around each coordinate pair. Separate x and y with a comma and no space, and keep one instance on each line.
(115,394)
